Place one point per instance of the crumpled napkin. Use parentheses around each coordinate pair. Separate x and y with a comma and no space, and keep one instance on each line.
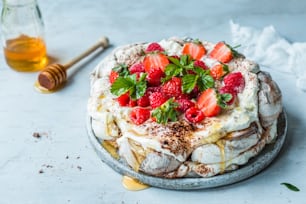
(270,49)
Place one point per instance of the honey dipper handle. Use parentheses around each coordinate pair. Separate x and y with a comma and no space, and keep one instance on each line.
(103,42)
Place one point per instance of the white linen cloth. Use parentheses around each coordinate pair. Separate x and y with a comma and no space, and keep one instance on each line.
(268,48)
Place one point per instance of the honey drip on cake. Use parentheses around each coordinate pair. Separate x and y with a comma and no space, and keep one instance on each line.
(110,148)
(221,144)
(133,184)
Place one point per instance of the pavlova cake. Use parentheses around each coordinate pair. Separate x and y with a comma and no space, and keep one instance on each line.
(183,107)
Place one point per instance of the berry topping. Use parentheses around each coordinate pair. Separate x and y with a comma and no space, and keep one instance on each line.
(155,61)
(124,99)
(157,99)
(173,87)
(194,115)
(135,68)
(218,71)
(166,112)
(195,49)
(113,76)
(222,52)
(184,104)
(154,77)
(201,64)
(208,103)
(228,90)
(144,101)
(154,47)
(139,115)
(132,103)
(234,81)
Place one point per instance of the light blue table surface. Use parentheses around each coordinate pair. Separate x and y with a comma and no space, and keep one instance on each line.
(72,172)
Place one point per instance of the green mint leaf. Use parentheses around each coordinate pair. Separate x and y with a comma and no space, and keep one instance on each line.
(121,86)
(291,187)
(222,99)
(171,70)
(226,97)
(167,111)
(129,83)
(206,81)
(175,61)
(122,70)
(184,60)
(189,82)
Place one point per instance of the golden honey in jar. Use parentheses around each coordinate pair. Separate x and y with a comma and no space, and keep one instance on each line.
(22,32)
(26,53)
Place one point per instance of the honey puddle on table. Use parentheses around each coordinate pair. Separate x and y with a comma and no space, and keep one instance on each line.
(133,184)
(43,90)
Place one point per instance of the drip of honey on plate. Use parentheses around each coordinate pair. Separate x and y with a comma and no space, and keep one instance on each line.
(133,184)
(26,54)
(43,90)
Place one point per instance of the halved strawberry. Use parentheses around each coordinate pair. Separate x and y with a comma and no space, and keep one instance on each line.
(218,71)
(194,49)
(113,76)
(208,103)
(155,61)
(222,52)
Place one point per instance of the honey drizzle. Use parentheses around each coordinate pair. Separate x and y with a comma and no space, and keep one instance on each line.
(221,144)
(133,184)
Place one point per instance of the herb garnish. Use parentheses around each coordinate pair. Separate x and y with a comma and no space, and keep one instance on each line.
(291,187)
(167,111)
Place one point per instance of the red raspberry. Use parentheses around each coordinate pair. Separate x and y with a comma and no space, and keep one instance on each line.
(154,76)
(201,64)
(184,104)
(228,90)
(173,87)
(235,81)
(144,101)
(139,115)
(135,68)
(154,47)
(113,76)
(194,115)
(195,92)
(151,90)
(157,99)
(124,99)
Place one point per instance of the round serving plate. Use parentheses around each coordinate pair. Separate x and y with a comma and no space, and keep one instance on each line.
(254,165)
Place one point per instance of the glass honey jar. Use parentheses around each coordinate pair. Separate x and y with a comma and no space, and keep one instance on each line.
(22,31)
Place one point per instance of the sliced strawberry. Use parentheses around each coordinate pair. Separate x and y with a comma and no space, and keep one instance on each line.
(222,52)
(208,103)
(155,61)
(218,71)
(195,50)
(124,99)
(113,76)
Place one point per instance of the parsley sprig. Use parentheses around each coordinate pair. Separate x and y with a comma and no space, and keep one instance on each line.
(166,112)
(129,83)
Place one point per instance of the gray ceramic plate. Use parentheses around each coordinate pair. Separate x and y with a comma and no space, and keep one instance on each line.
(254,166)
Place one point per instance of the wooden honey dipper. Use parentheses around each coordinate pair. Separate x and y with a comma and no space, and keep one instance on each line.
(55,75)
